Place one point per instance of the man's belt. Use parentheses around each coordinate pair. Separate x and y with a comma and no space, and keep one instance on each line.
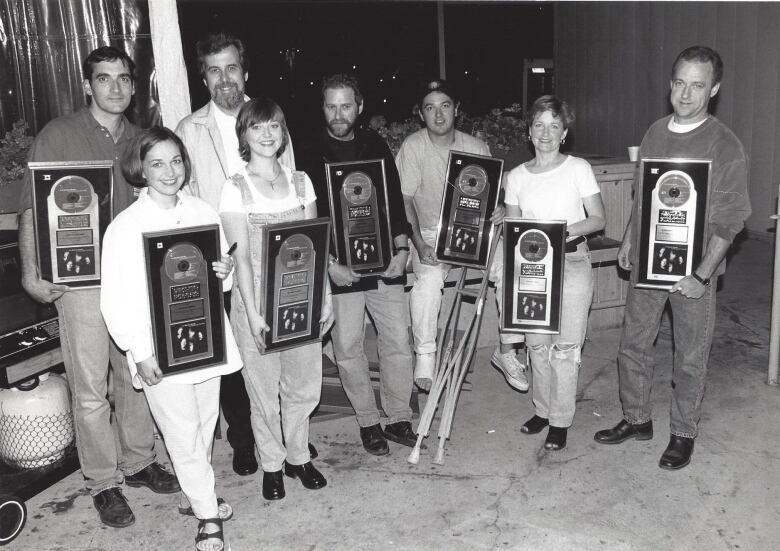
(571,246)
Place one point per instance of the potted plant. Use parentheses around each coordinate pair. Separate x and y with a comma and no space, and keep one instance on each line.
(14,148)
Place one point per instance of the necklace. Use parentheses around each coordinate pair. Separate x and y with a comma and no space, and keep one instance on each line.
(277,171)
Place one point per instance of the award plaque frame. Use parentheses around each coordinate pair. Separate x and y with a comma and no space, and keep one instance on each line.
(471,193)
(290,289)
(531,299)
(72,207)
(673,213)
(357,194)
(185,298)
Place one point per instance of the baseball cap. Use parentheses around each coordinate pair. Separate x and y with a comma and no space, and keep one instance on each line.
(437,85)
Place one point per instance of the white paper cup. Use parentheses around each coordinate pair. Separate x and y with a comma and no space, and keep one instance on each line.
(633,153)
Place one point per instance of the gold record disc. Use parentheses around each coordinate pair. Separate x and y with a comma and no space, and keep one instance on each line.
(472,180)
(533,246)
(296,251)
(674,188)
(72,193)
(183,262)
(357,188)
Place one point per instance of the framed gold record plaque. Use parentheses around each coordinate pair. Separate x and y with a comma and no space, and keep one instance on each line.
(290,261)
(673,212)
(465,232)
(72,206)
(534,253)
(357,193)
(185,298)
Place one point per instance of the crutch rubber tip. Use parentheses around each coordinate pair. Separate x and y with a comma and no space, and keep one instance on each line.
(414,456)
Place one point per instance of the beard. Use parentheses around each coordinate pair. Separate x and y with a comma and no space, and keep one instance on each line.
(340,128)
(230,99)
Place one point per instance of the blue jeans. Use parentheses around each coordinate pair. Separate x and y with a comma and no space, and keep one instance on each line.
(284,388)
(555,359)
(389,310)
(86,351)
(694,323)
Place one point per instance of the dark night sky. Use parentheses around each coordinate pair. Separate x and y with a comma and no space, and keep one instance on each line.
(381,39)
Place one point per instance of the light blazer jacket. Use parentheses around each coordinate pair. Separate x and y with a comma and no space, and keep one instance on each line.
(201,137)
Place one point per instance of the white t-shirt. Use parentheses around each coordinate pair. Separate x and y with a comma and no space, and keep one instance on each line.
(553,195)
(232,202)
(422,166)
(227,131)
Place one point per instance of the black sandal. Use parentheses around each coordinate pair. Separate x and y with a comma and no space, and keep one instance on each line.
(221,505)
(203,536)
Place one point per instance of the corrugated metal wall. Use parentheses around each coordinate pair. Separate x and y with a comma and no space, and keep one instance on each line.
(612,63)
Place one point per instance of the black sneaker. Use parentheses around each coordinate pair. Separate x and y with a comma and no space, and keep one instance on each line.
(113,509)
(401,433)
(154,477)
(374,440)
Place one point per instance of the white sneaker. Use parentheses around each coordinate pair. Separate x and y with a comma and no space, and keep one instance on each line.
(423,370)
(512,368)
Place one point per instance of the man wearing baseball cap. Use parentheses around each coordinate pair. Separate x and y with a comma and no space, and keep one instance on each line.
(422,164)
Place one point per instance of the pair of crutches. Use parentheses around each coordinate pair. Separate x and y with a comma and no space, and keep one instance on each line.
(453,357)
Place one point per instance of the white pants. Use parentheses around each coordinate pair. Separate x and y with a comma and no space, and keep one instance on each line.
(187,415)
(426,296)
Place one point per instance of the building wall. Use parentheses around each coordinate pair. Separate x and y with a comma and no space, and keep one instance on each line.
(612,63)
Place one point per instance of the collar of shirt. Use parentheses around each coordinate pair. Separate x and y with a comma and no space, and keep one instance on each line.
(683,128)
(143,196)
(226,124)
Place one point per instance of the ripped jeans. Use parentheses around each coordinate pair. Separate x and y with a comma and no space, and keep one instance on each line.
(555,359)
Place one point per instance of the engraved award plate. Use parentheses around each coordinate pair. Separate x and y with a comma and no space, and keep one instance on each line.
(185,298)
(465,232)
(71,210)
(357,192)
(534,252)
(291,290)
(673,200)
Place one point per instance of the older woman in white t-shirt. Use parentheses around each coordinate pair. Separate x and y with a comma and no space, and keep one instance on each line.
(556,186)
(283,387)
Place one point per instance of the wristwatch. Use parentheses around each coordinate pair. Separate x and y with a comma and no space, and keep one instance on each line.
(698,278)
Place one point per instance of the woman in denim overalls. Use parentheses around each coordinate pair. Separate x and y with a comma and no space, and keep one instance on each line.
(265,192)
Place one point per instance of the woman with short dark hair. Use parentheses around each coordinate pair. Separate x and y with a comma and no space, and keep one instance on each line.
(184,405)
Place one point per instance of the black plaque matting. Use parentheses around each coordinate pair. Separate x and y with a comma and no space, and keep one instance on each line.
(185,298)
(471,193)
(72,207)
(534,255)
(673,207)
(292,285)
(357,193)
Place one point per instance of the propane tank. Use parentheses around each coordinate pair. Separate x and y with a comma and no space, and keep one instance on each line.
(36,422)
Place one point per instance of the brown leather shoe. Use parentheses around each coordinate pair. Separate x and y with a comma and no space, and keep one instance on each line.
(374,440)
(677,454)
(401,433)
(309,476)
(113,509)
(273,485)
(623,431)
(244,460)
(556,438)
(154,477)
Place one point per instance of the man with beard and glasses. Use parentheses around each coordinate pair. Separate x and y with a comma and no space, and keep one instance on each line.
(382,296)
(210,137)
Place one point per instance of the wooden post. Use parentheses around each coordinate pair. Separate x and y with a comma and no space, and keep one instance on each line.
(442,51)
(774,330)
